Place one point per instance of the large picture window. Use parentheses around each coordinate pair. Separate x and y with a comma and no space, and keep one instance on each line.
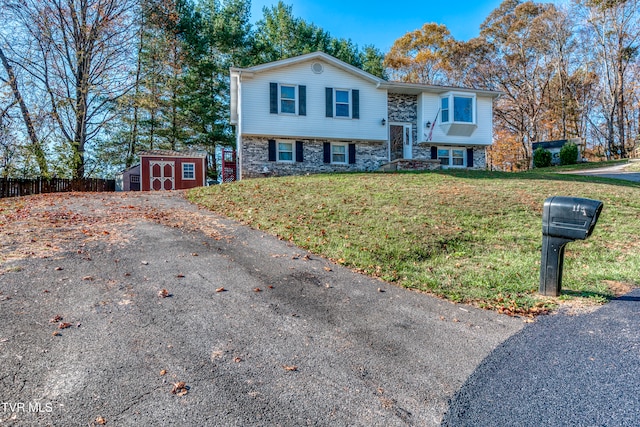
(455,108)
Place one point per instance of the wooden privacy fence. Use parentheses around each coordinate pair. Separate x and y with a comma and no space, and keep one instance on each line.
(10,187)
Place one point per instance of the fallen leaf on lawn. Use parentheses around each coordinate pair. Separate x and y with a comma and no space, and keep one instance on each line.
(180,388)
(55,319)
(221,289)
(290,368)
(163,293)
(163,372)
(64,325)
(101,421)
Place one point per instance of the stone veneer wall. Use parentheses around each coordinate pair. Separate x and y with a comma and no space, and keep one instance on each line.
(370,155)
(404,109)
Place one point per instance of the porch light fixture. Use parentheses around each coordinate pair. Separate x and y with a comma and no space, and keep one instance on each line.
(384,122)
(428,125)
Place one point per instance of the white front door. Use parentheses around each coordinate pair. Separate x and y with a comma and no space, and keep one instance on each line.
(400,141)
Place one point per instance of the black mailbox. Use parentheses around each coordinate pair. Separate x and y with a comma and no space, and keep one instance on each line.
(564,219)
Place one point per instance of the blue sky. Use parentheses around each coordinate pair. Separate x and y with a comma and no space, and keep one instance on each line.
(382,22)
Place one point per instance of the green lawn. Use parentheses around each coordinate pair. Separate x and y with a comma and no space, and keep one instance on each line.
(467,236)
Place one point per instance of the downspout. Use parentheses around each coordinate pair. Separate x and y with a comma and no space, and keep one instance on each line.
(239,127)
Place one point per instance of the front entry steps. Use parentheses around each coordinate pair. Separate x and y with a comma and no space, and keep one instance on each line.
(411,165)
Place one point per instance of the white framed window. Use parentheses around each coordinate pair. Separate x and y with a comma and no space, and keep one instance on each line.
(284,151)
(452,157)
(188,171)
(458,108)
(339,154)
(342,107)
(287,94)
(134,179)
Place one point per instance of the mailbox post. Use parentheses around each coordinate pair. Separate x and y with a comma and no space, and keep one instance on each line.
(564,219)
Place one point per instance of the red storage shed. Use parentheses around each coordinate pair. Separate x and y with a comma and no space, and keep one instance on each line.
(172,170)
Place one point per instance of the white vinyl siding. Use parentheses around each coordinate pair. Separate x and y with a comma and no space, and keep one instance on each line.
(430,105)
(258,121)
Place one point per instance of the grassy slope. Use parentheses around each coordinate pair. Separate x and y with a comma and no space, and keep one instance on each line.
(468,236)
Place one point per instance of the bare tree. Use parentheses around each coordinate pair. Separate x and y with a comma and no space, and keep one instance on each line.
(612,30)
(78,53)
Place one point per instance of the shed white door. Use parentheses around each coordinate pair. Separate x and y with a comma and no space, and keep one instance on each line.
(162,175)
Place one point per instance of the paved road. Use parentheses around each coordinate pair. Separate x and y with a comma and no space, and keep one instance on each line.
(292,340)
(616,172)
(561,371)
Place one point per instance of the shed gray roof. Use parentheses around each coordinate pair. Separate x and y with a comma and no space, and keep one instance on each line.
(172,153)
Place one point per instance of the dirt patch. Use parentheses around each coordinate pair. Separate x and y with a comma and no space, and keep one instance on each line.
(42,225)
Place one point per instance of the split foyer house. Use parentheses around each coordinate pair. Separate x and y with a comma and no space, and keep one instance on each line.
(315,113)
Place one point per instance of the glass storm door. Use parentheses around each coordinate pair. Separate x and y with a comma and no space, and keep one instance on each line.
(400,142)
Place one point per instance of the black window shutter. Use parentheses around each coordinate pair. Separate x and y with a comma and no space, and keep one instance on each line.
(329,101)
(299,152)
(273,98)
(469,157)
(272,150)
(352,154)
(327,152)
(355,108)
(434,153)
(302,100)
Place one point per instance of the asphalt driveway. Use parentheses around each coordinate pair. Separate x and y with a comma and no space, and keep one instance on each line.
(141,309)
(615,172)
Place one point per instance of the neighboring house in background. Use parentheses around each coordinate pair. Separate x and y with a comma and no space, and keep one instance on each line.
(315,113)
(554,148)
(172,170)
(128,179)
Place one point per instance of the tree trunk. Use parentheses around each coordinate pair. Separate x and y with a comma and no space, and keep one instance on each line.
(133,141)
(36,147)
